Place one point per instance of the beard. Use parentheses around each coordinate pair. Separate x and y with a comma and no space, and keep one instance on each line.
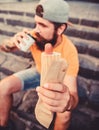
(41,41)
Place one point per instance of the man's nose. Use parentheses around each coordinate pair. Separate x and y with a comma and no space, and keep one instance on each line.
(37,29)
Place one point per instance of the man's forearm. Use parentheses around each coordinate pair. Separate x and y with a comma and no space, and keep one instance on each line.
(72,102)
(62,121)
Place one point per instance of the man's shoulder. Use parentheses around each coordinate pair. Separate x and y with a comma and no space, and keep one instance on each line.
(67,42)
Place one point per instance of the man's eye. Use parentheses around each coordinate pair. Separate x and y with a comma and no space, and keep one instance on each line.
(43,25)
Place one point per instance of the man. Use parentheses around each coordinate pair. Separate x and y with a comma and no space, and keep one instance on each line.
(51,20)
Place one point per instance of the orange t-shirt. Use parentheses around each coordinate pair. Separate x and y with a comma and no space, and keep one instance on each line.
(68,51)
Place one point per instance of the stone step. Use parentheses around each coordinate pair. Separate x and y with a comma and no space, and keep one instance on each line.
(84,21)
(78,30)
(83,46)
(87,15)
(90,47)
(83,32)
(3,37)
(6,31)
(89,67)
(10,63)
(17,20)
(74,20)
(88,92)
(19,7)
(88,96)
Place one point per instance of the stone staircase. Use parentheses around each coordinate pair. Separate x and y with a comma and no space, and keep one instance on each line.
(85,35)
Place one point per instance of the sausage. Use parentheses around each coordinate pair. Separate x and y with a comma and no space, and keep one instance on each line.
(48,48)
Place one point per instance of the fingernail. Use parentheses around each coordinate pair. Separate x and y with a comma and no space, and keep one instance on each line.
(37,89)
(45,85)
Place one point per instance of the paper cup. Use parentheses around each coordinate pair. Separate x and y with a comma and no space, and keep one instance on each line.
(26,43)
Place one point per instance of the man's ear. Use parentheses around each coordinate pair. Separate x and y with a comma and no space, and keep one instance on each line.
(61,29)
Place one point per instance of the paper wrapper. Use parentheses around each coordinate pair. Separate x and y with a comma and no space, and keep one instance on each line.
(53,69)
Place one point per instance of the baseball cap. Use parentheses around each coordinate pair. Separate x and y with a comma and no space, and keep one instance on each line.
(55,10)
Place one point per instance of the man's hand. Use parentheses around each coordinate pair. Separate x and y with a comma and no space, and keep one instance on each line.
(8,45)
(55,96)
(12,43)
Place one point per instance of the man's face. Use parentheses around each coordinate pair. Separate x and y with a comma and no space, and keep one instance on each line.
(45,32)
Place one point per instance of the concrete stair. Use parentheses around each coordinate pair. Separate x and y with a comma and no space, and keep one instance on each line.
(84,32)
(85,35)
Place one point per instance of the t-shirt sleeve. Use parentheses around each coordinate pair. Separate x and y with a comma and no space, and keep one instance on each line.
(73,63)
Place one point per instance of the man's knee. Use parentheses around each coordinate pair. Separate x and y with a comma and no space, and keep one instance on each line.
(10,85)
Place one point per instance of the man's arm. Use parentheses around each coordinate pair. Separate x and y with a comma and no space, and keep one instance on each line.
(60,99)
(8,45)
(62,120)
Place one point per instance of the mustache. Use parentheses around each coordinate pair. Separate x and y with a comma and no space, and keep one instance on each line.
(39,38)
(40,41)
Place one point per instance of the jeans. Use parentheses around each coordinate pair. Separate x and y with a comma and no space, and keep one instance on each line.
(30,78)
